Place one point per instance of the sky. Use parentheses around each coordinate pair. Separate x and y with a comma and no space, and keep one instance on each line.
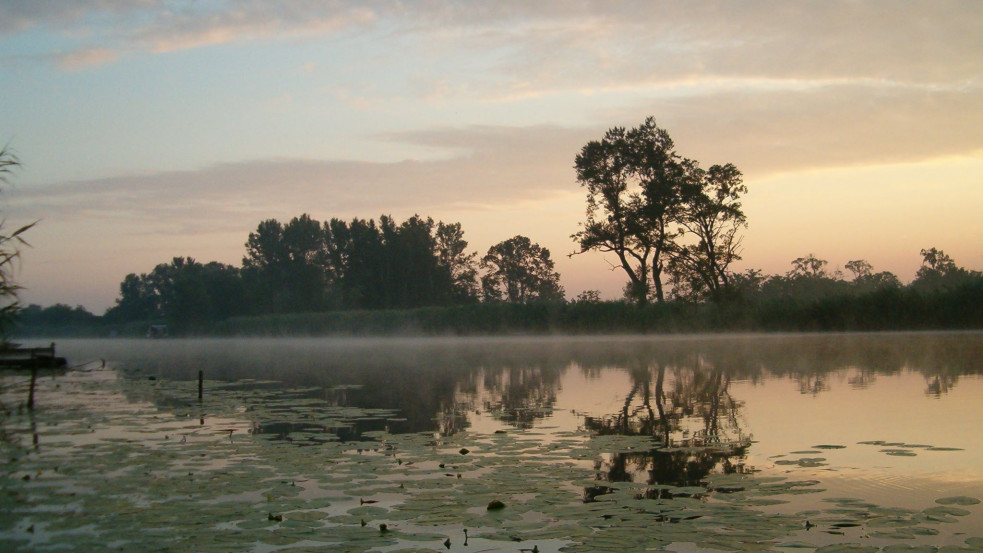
(150,129)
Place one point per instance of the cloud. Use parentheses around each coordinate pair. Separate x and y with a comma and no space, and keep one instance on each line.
(764,132)
(498,166)
(559,45)
(19,15)
(161,26)
(80,59)
(247,21)
(590,48)
(771,131)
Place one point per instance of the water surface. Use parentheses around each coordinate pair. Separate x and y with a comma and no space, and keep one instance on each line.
(784,442)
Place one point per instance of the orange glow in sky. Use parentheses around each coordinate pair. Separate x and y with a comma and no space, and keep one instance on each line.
(149,130)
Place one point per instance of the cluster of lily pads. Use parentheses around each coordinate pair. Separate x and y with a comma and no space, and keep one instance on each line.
(108,462)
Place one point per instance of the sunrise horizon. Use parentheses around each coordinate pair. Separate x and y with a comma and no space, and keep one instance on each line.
(147,131)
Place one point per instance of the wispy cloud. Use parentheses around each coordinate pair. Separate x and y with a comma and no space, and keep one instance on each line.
(767,132)
(163,26)
(490,167)
(502,165)
(86,57)
(248,21)
(589,47)
(556,44)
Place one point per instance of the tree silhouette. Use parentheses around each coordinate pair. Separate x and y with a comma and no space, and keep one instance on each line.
(186,294)
(633,187)
(460,264)
(520,271)
(284,266)
(939,272)
(644,200)
(713,215)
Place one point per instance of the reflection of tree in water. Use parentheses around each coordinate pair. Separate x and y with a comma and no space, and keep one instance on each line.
(427,400)
(453,414)
(862,378)
(692,418)
(436,385)
(939,383)
(812,384)
(521,395)
(418,400)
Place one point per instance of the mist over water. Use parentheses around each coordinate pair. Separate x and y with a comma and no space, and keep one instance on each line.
(886,418)
(304,360)
(785,391)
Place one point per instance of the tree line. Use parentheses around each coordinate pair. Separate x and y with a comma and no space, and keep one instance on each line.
(304,266)
(673,227)
(808,297)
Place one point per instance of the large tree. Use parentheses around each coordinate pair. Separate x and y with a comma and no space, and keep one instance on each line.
(415,276)
(662,175)
(185,293)
(284,266)
(938,272)
(713,217)
(461,265)
(136,302)
(393,265)
(519,271)
(636,194)
(264,264)
(660,213)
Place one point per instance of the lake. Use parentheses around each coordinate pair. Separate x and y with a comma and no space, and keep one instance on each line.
(825,442)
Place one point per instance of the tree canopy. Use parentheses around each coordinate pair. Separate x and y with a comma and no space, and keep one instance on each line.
(184,293)
(305,265)
(520,271)
(660,214)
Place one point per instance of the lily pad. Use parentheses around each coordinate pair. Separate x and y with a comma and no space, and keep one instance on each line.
(899,452)
(958,500)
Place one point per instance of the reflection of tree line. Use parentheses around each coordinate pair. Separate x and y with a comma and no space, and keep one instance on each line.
(521,395)
(435,384)
(692,419)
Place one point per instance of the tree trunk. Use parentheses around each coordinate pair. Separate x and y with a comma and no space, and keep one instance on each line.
(639,285)
(657,279)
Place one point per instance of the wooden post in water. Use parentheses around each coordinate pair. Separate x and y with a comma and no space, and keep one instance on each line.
(201,381)
(34,379)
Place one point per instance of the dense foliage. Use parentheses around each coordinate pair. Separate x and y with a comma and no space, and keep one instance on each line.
(305,266)
(58,320)
(308,266)
(184,293)
(660,214)
(808,297)
(519,271)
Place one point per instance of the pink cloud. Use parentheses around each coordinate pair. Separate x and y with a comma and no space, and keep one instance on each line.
(86,57)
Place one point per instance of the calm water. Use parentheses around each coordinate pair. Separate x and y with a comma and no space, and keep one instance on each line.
(878,428)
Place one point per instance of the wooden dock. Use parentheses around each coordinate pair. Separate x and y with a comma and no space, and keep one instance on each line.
(13,356)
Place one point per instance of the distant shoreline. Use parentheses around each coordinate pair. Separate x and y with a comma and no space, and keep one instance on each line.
(890,309)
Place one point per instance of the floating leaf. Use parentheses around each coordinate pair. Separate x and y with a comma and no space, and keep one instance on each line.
(899,452)
(958,500)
